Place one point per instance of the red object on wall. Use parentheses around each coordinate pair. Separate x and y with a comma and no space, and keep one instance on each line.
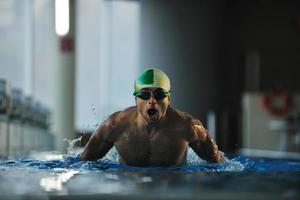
(66,44)
(277,101)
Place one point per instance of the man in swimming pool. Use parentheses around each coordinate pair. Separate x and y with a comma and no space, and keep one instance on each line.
(152,133)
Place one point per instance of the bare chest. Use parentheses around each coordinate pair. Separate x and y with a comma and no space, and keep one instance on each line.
(152,147)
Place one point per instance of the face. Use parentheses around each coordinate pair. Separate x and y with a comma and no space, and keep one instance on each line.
(152,104)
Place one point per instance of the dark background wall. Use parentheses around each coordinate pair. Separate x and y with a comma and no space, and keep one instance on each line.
(207,48)
(184,40)
(270,28)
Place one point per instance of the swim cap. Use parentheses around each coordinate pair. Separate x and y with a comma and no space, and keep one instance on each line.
(152,78)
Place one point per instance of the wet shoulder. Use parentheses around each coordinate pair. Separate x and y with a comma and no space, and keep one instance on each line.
(122,117)
(183,117)
(186,122)
(115,124)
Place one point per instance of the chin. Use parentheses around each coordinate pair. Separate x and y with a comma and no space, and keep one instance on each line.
(154,119)
(151,121)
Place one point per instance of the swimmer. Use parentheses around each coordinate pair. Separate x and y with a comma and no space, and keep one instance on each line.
(152,133)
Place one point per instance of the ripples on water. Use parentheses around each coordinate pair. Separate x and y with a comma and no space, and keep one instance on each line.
(194,163)
(54,173)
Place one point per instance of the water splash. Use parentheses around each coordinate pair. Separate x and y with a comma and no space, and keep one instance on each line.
(111,156)
(193,163)
(110,161)
(238,164)
(72,148)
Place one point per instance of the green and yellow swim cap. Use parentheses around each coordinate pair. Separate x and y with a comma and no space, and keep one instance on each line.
(152,78)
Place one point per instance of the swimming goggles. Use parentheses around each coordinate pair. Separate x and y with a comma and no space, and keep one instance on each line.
(157,94)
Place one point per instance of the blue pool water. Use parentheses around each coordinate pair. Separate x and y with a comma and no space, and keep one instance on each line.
(237,164)
(70,178)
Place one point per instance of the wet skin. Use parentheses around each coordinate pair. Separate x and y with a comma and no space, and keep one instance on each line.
(152,134)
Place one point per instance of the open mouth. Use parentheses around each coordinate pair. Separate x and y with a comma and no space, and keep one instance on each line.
(152,111)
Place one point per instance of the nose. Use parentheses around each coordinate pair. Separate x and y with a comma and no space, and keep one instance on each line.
(152,100)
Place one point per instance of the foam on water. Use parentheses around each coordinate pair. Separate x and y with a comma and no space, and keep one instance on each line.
(111,162)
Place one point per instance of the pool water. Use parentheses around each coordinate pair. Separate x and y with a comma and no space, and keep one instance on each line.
(69,178)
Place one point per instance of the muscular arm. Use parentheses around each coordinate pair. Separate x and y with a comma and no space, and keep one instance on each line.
(99,143)
(203,144)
